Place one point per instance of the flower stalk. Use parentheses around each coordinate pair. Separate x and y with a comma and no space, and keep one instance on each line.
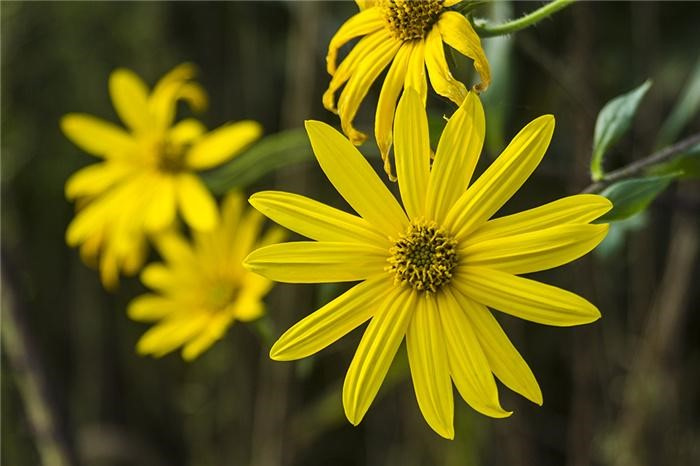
(487,30)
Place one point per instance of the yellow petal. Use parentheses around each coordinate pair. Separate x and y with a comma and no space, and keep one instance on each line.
(130,99)
(174,86)
(174,248)
(524,298)
(503,358)
(458,33)
(316,220)
(333,321)
(355,179)
(210,334)
(350,65)
(412,152)
(247,309)
(469,367)
(169,334)
(157,276)
(502,179)
(580,208)
(96,136)
(415,72)
(222,144)
(375,353)
(95,179)
(425,344)
(312,262)
(196,203)
(384,116)
(160,210)
(364,22)
(534,251)
(186,132)
(359,83)
(456,156)
(440,76)
(150,308)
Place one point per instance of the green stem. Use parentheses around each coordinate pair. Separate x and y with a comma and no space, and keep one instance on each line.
(485,30)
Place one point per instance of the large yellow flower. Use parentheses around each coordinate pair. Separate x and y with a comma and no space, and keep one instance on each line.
(202,288)
(409,35)
(148,169)
(429,272)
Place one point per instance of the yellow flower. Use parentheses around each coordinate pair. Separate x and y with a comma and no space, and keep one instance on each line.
(202,288)
(409,35)
(148,169)
(430,271)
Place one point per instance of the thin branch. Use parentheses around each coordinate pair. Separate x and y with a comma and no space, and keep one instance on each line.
(486,30)
(637,167)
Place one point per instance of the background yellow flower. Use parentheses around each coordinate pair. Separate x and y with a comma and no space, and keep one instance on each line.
(148,171)
(202,288)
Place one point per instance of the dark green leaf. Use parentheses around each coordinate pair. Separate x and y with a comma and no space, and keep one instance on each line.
(634,195)
(269,154)
(613,121)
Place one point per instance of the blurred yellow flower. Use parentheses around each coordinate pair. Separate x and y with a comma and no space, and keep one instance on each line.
(430,271)
(409,35)
(148,169)
(202,288)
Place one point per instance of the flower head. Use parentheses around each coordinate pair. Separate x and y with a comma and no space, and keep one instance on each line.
(409,35)
(148,171)
(430,271)
(202,288)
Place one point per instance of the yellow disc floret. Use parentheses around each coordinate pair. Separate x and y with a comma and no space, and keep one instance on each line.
(410,19)
(424,257)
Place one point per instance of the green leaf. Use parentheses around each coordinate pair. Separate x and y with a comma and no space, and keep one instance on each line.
(269,154)
(613,121)
(634,195)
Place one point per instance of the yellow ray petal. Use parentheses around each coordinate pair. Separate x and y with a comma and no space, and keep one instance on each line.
(130,99)
(186,132)
(312,262)
(415,73)
(384,116)
(333,321)
(375,352)
(502,179)
(412,152)
(210,334)
(469,367)
(174,248)
(96,136)
(160,210)
(157,276)
(458,33)
(350,64)
(316,220)
(359,83)
(222,144)
(355,179)
(440,76)
(580,208)
(169,334)
(364,22)
(171,88)
(456,156)
(503,358)
(196,203)
(95,179)
(247,308)
(524,298)
(150,308)
(246,236)
(534,251)
(425,344)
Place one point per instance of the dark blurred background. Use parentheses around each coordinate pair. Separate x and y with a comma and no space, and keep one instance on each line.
(622,391)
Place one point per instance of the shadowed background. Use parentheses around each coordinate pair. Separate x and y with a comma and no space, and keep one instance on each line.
(621,391)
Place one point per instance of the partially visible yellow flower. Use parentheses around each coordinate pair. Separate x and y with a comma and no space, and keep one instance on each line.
(430,269)
(202,288)
(409,35)
(148,171)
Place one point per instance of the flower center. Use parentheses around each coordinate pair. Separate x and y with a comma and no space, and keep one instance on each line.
(410,19)
(220,294)
(170,157)
(424,257)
